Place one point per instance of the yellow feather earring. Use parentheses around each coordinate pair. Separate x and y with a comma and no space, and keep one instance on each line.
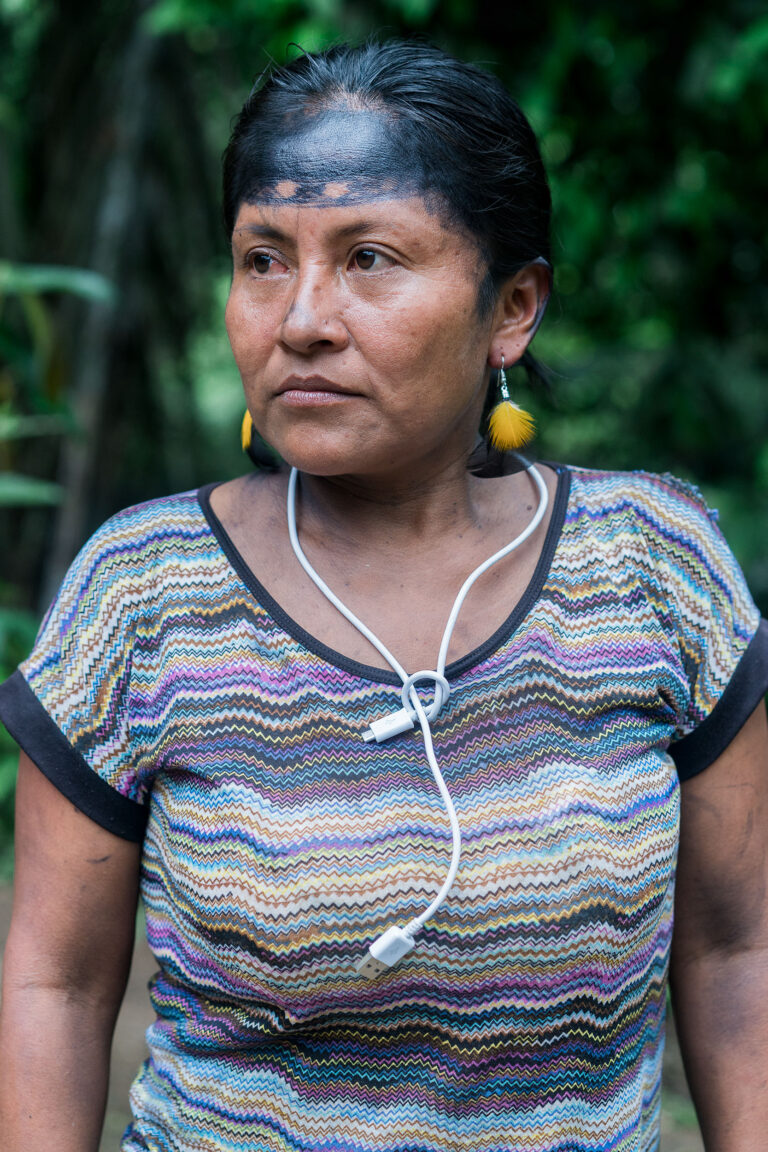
(246,431)
(509,425)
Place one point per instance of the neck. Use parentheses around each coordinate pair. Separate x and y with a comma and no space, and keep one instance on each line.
(386,510)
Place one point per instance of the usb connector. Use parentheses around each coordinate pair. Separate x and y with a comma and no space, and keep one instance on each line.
(384,953)
(387,726)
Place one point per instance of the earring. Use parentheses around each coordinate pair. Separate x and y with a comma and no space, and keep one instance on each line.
(260,453)
(509,425)
(246,431)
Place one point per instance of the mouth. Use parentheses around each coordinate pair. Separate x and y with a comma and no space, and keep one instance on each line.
(312,384)
(304,390)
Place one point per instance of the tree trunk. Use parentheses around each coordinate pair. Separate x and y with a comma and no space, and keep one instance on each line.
(112,237)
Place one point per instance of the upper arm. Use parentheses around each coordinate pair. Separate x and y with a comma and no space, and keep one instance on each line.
(721,893)
(716,657)
(75,895)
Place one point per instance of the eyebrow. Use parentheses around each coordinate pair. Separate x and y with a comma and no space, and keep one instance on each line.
(360,226)
(260,230)
(269,233)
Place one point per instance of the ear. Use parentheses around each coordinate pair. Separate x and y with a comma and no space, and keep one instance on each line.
(519,310)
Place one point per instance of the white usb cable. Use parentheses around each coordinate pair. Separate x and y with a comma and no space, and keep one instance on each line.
(395,942)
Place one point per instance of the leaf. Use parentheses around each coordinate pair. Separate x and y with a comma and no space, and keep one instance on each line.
(13,427)
(34,278)
(17,490)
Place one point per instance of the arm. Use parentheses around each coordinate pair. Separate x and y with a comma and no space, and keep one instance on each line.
(719,965)
(64,973)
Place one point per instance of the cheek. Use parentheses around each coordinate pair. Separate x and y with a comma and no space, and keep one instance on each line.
(233,322)
(398,335)
(246,329)
(229,320)
(438,336)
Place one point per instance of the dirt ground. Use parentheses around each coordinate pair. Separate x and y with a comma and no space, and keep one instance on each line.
(679,1128)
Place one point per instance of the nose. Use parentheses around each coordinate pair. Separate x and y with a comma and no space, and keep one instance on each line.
(313,317)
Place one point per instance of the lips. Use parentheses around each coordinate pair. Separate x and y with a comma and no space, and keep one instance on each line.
(313,384)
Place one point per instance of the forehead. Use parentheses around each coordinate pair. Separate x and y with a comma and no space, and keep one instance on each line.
(408,225)
(336,155)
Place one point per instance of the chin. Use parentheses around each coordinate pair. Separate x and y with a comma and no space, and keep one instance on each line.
(318,460)
(327,451)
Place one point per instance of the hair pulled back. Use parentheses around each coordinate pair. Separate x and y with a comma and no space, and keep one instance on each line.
(477,146)
(472,140)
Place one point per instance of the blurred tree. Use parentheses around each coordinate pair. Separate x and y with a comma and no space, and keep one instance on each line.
(28,380)
(115,172)
(650,117)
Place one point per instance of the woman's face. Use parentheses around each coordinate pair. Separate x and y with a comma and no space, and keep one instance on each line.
(353,312)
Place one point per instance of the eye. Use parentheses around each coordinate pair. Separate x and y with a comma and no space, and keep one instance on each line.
(369,260)
(262,263)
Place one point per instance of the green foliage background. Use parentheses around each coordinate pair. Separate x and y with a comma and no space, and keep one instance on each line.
(652,118)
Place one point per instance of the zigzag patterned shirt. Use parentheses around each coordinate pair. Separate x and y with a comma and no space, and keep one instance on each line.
(167,688)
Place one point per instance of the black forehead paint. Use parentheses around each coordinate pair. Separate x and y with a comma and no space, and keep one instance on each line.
(337,155)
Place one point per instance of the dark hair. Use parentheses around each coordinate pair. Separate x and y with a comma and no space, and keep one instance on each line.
(480,150)
(474,144)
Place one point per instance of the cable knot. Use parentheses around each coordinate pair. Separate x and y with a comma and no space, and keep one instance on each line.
(442,692)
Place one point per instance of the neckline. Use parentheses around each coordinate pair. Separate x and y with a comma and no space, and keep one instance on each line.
(371,671)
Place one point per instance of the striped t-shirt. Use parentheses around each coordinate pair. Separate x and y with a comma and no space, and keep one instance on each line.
(171,698)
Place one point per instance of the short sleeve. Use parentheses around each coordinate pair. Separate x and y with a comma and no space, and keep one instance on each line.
(721,642)
(68,704)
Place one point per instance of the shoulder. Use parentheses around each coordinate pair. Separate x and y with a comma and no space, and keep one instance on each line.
(123,567)
(153,524)
(135,539)
(642,493)
(668,541)
(659,515)
(661,532)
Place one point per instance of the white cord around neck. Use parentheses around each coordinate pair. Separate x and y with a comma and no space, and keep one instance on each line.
(398,941)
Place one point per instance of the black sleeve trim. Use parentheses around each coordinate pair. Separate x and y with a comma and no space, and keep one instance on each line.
(745,689)
(33,730)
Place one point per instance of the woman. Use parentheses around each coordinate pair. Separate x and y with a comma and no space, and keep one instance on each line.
(335,970)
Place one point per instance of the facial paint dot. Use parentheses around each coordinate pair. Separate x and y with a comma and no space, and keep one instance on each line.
(334,190)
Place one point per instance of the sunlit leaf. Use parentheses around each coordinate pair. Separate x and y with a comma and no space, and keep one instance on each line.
(34,278)
(15,427)
(17,490)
